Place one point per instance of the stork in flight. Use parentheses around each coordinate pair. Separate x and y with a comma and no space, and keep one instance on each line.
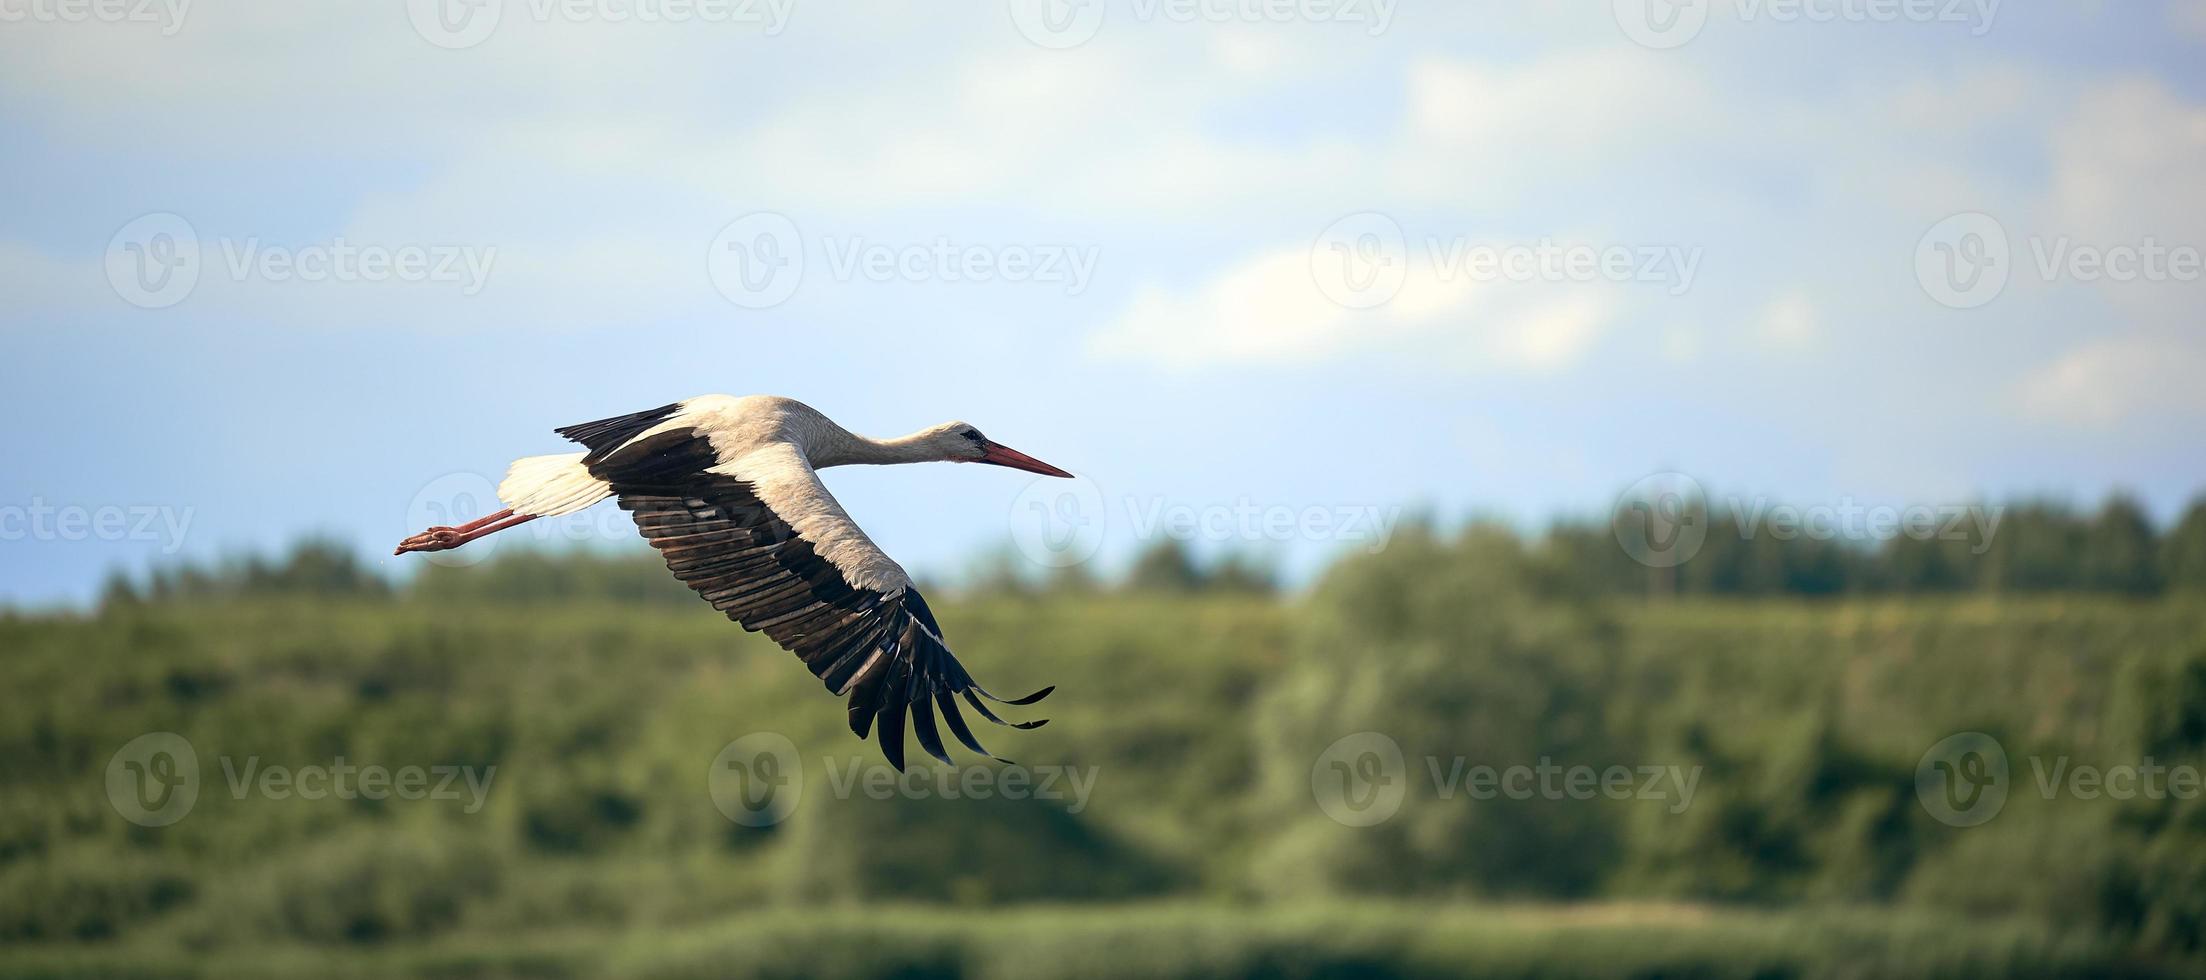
(726,489)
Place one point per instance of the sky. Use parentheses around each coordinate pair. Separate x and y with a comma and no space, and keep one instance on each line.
(1267,273)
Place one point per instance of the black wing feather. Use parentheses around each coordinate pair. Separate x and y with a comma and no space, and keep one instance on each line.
(884,651)
(605,435)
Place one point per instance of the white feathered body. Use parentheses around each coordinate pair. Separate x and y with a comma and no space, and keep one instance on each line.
(771,442)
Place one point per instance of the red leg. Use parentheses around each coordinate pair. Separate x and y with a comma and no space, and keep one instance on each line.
(485,522)
(447,538)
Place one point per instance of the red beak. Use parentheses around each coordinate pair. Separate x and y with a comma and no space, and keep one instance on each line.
(1003,455)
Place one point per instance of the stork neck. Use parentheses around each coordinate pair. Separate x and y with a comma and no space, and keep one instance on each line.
(857,449)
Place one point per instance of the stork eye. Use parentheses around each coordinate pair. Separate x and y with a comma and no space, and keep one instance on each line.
(973,434)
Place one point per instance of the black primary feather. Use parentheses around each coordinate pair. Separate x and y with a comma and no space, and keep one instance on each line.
(882,650)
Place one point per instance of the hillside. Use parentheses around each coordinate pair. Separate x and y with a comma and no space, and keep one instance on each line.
(1179,764)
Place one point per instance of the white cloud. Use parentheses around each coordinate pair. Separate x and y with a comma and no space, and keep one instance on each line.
(599,187)
(2125,173)
(1789,322)
(33,281)
(2126,162)
(1680,344)
(1269,310)
(1574,107)
(1551,334)
(2107,383)
(2188,19)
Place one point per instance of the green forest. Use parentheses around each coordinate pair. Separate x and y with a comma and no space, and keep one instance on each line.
(1801,684)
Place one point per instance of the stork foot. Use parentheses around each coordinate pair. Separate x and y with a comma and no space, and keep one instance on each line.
(441,538)
(433,539)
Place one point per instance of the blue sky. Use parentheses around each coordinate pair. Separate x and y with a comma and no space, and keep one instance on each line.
(1223,172)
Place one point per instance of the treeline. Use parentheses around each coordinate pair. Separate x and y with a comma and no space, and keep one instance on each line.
(2024,547)
(328,568)
(1699,550)
(314,567)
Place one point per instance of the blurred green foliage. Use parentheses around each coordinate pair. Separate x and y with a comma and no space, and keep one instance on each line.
(601,691)
(2034,546)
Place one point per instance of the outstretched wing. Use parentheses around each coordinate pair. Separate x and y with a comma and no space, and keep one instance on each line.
(763,541)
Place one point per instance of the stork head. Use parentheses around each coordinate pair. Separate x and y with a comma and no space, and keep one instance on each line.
(959,442)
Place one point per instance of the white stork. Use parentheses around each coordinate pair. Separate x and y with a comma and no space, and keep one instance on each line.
(725,488)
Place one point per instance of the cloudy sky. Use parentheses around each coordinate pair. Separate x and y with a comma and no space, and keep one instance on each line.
(277,268)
